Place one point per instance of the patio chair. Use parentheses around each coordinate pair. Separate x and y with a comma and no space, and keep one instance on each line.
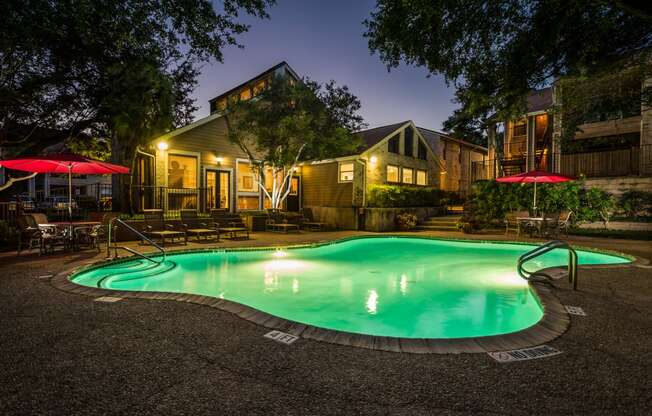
(155,227)
(309,220)
(230,224)
(564,222)
(192,226)
(279,222)
(29,234)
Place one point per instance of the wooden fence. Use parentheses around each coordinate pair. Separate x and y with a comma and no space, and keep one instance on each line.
(599,164)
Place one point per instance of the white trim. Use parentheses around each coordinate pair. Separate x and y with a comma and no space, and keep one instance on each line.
(219,168)
(388,136)
(196,155)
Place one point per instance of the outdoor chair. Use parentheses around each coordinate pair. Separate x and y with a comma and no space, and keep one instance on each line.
(192,226)
(564,223)
(309,220)
(230,224)
(29,234)
(277,222)
(512,222)
(155,227)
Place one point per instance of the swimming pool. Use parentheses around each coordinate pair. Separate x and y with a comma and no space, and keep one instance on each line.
(383,286)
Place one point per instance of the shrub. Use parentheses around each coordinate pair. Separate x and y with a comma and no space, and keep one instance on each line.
(396,196)
(635,203)
(491,200)
(406,221)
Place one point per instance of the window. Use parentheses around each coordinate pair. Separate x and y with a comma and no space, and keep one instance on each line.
(392,173)
(182,171)
(259,87)
(346,172)
(408,175)
(246,179)
(443,151)
(392,144)
(422,177)
(294,186)
(221,104)
(422,152)
(247,202)
(409,142)
(245,94)
(519,128)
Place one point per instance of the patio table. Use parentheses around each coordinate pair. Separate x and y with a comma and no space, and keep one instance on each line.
(72,226)
(533,223)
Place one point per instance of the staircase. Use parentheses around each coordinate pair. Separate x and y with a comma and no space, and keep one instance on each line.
(445,223)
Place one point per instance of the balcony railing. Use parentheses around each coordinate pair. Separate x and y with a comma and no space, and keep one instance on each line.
(620,162)
(171,199)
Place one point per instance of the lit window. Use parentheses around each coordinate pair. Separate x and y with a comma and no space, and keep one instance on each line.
(246,178)
(247,202)
(294,186)
(392,173)
(346,172)
(408,175)
(221,104)
(259,87)
(422,177)
(182,171)
(245,94)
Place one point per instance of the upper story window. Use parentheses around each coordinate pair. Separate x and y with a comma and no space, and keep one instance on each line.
(245,94)
(422,152)
(443,151)
(409,141)
(221,104)
(259,87)
(392,144)
(519,128)
(345,173)
(408,175)
(392,173)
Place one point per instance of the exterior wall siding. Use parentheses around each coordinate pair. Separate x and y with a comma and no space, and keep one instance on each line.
(321,187)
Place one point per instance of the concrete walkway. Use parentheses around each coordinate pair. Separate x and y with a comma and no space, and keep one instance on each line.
(66,354)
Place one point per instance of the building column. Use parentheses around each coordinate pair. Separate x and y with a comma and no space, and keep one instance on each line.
(556,128)
(645,152)
(491,155)
(31,187)
(46,185)
(530,145)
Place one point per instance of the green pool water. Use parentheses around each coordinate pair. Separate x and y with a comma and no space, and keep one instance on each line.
(399,287)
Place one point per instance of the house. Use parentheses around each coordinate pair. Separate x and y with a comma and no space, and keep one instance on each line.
(197,166)
(613,151)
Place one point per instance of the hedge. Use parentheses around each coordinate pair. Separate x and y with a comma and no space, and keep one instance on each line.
(397,196)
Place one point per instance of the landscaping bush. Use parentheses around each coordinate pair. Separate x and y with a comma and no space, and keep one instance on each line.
(406,221)
(491,200)
(634,204)
(396,196)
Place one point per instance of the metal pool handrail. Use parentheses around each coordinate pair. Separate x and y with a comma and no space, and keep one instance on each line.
(130,250)
(543,249)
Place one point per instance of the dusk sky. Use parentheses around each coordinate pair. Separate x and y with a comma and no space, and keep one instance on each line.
(323,40)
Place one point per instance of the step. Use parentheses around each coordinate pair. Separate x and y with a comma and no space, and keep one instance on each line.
(435,228)
(440,223)
(446,217)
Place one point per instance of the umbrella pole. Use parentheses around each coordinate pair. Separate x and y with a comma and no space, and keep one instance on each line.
(535,199)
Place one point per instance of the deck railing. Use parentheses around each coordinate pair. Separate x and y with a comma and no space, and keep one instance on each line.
(171,199)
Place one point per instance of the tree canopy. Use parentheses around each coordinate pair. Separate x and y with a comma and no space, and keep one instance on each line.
(496,51)
(292,121)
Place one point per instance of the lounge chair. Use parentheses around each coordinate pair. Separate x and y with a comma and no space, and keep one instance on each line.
(230,224)
(192,226)
(155,227)
(309,220)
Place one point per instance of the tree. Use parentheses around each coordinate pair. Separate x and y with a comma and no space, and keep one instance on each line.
(497,51)
(116,70)
(292,121)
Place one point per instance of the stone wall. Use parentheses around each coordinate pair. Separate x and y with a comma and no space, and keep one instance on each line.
(617,186)
(336,217)
(384,219)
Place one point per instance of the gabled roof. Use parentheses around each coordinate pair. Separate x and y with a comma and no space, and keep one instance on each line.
(372,137)
(433,137)
(257,77)
(539,100)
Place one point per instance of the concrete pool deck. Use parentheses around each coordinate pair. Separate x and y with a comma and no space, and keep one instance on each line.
(67,354)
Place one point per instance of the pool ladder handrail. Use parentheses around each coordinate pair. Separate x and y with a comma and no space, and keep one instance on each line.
(543,249)
(130,250)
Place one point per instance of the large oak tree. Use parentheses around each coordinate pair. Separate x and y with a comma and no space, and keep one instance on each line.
(496,51)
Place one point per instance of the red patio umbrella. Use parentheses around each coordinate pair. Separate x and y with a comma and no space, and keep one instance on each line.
(536,176)
(64,163)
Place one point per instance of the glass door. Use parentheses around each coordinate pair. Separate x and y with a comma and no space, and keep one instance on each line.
(218,189)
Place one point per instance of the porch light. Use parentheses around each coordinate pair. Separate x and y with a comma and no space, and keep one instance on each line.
(373,160)
(162,146)
(219,159)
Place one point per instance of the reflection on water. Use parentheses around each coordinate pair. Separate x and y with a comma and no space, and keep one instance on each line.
(382,286)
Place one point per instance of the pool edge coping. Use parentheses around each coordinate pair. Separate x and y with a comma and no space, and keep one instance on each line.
(554,322)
